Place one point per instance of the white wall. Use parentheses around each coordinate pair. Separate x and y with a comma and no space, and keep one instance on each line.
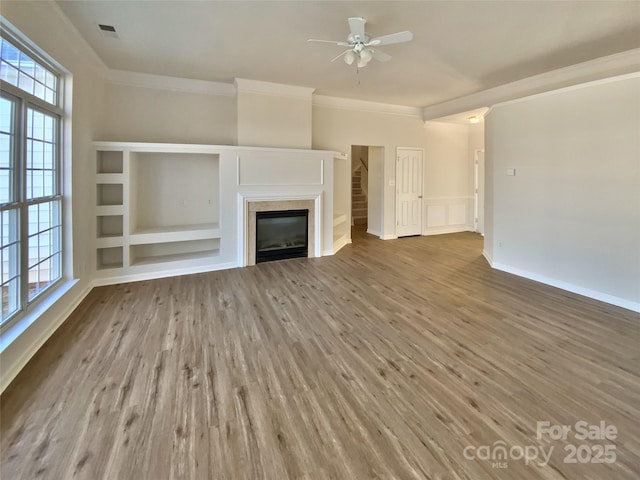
(571,214)
(448,183)
(339,128)
(45,25)
(139,114)
(273,120)
(375,206)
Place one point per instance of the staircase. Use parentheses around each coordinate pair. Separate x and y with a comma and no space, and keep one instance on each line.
(358,199)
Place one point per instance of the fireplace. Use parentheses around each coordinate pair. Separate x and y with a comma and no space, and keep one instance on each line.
(282,234)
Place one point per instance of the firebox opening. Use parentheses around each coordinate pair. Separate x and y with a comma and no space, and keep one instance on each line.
(281,234)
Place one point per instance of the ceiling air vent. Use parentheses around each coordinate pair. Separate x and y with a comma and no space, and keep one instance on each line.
(108,30)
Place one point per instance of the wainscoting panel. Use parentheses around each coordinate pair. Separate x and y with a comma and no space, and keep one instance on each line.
(448,215)
(458,214)
(436,216)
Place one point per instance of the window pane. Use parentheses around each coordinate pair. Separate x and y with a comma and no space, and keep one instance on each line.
(8,73)
(27,65)
(48,159)
(10,297)
(25,82)
(49,95)
(10,53)
(38,90)
(44,231)
(41,172)
(19,69)
(10,262)
(44,246)
(6,115)
(40,74)
(7,160)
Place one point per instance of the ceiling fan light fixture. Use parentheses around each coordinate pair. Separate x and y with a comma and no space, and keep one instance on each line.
(366,56)
(359,43)
(349,57)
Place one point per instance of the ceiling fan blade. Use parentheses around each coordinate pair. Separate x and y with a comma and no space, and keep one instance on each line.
(392,38)
(343,53)
(356,24)
(341,44)
(380,56)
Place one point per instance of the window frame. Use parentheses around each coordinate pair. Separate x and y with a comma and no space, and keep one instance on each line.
(23,102)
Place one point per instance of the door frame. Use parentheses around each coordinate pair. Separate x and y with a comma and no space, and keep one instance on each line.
(395,184)
(478,189)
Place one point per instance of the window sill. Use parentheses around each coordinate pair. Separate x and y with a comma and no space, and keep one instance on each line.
(19,327)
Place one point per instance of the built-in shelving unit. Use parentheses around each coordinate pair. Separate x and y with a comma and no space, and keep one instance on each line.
(156,208)
(339,229)
(341,220)
(174,209)
(110,257)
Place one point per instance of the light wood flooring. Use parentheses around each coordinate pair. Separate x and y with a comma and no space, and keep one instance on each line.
(382,362)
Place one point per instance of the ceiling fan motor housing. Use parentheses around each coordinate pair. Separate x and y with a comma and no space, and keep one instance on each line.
(356,40)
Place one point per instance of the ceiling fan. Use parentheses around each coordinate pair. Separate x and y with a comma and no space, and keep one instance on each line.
(360,44)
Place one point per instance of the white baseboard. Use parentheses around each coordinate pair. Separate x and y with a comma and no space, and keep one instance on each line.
(447,229)
(9,372)
(373,232)
(389,237)
(138,277)
(569,287)
(489,259)
(337,246)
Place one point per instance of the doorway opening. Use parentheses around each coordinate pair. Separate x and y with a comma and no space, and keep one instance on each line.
(367,162)
(359,185)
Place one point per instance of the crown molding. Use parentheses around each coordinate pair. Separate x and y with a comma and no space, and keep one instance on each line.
(570,88)
(275,89)
(365,106)
(175,84)
(598,69)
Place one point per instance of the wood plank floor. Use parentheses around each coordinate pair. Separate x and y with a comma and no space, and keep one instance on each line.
(382,362)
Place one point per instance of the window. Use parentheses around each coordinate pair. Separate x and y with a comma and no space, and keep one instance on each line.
(30,178)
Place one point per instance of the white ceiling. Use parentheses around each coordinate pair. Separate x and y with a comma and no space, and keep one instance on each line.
(459,47)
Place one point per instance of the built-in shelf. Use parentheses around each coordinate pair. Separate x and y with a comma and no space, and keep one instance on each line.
(109,226)
(162,252)
(105,210)
(106,178)
(110,257)
(175,233)
(176,257)
(109,194)
(109,162)
(107,242)
(339,219)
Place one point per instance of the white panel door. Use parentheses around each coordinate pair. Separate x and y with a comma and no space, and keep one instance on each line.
(409,192)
